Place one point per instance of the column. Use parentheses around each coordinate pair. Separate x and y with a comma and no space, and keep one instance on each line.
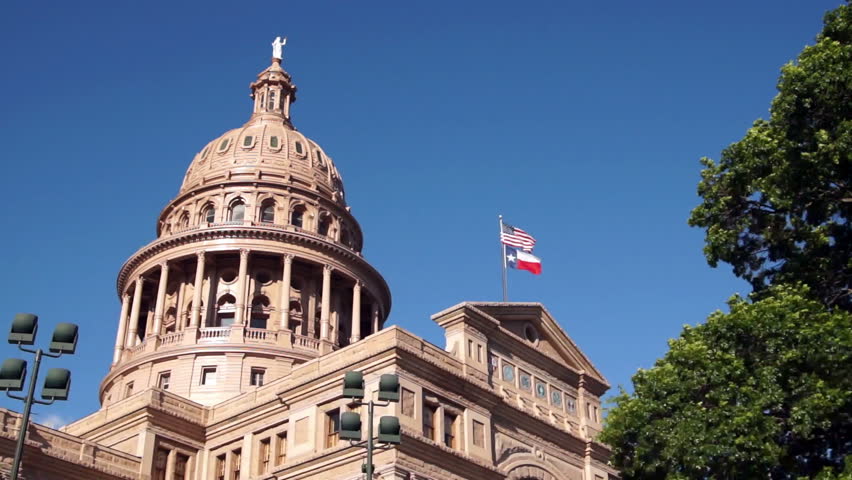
(133,338)
(240,311)
(120,337)
(161,300)
(356,312)
(196,291)
(285,292)
(170,464)
(375,317)
(326,302)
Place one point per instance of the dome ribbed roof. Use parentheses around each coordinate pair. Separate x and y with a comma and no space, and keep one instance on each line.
(267,147)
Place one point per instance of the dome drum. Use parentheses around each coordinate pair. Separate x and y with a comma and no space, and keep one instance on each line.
(257,266)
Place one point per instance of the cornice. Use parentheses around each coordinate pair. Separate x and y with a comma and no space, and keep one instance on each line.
(245,232)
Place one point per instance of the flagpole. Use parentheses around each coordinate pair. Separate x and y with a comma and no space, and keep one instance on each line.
(503,261)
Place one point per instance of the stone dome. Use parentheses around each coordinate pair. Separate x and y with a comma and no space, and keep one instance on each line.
(268,150)
(267,147)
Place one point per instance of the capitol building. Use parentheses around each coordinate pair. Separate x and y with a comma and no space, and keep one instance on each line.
(239,320)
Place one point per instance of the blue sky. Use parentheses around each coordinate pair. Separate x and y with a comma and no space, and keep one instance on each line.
(581,122)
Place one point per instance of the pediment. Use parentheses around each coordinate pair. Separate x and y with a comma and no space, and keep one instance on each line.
(530,324)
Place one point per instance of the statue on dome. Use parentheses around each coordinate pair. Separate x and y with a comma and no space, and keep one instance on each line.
(277,46)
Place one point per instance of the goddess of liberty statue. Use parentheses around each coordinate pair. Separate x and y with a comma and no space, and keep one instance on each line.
(277,46)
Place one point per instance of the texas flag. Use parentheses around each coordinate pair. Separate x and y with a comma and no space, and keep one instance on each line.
(522,260)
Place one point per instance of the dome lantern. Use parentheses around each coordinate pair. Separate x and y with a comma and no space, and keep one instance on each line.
(272,92)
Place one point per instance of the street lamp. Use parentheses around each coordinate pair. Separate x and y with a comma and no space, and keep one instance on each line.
(13,371)
(350,422)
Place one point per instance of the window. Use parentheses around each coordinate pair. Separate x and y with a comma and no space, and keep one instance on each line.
(181,461)
(160,461)
(556,398)
(332,428)
(595,414)
(479,352)
(264,455)
(299,149)
(128,389)
(248,141)
(224,145)
(571,403)
(525,380)
(319,158)
(238,211)
(271,104)
(450,426)
(407,402)
(220,467)
(164,380)
(208,375)
(297,217)
(256,377)
(324,225)
(540,389)
(209,214)
(236,460)
(508,372)
(267,212)
(259,312)
(429,413)
(273,142)
(226,309)
(205,152)
(281,448)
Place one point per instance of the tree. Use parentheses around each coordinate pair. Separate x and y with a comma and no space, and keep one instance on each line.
(764,391)
(778,205)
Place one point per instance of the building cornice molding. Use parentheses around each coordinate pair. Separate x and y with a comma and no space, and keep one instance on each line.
(256,232)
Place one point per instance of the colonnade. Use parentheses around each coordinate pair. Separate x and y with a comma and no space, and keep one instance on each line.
(128,329)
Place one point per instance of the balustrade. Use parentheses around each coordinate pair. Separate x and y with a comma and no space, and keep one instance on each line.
(260,335)
(214,334)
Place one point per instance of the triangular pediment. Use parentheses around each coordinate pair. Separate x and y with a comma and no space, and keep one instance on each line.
(532,325)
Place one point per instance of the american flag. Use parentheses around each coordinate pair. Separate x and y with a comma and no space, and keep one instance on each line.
(515,237)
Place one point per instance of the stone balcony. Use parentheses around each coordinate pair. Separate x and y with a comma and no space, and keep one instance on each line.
(232,335)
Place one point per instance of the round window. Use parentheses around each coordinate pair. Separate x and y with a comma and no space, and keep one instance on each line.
(531,333)
(263,278)
(228,276)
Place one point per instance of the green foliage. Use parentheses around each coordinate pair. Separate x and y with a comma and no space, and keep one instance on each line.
(764,391)
(778,205)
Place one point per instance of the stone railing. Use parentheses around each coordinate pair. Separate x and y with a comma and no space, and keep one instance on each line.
(306,343)
(260,335)
(214,334)
(69,448)
(173,338)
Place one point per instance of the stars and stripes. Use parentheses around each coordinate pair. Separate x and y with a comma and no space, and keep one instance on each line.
(515,237)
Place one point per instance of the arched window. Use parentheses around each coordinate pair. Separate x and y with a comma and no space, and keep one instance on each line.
(225,309)
(298,216)
(238,211)
(324,225)
(209,214)
(184,219)
(259,312)
(271,105)
(267,212)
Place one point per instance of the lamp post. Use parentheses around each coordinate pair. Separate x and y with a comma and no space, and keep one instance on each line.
(350,422)
(13,372)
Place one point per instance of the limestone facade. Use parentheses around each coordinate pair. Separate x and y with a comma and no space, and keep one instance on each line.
(239,321)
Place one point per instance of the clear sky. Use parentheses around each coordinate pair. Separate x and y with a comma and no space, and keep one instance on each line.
(581,122)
